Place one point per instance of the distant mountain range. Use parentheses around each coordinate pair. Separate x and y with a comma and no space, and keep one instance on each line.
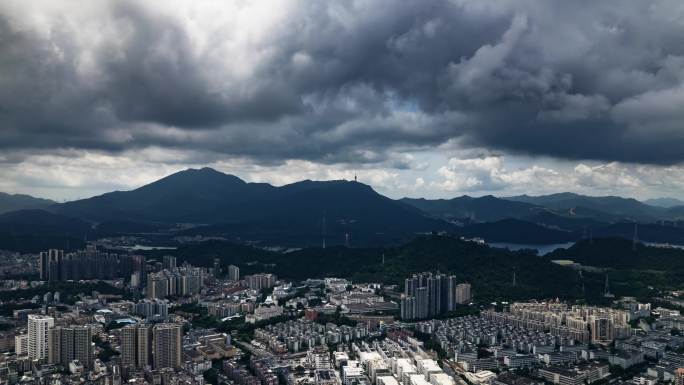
(13,202)
(664,202)
(609,208)
(557,218)
(483,209)
(301,213)
(308,213)
(581,209)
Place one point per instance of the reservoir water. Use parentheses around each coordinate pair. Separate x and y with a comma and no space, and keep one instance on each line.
(541,249)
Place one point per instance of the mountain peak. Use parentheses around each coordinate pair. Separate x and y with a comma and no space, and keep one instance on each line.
(204,170)
(195,178)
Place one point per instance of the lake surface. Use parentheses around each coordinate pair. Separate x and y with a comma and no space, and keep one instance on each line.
(545,249)
(664,245)
(147,248)
(541,249)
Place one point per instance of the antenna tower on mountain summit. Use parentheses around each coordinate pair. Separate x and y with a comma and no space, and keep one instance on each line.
(323,228)
(515,282)
(606,289)
(635,239)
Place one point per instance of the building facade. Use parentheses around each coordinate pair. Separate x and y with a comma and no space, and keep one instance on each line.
(136,346)
(38,327)
(167,351)
(67,344)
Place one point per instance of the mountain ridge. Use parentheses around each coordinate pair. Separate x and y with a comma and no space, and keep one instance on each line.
(226,205)
(629,208)
(664,202)
(485,208)
(13,202)
(208,202)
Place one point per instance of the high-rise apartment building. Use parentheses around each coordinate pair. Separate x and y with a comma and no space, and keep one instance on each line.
(90,263)
(182,281)
(408,306)
(261,281)
(429,295)
(152,308)
(143,355)
(233,273)
(169,262)
(127,343)
(217,267)
(434,293)
(67,344)
(49,264)
(157,286)
(132,267)
(38,326)
(136,346)
(449,293)
(422,303)
(463,294)
(602,329)
(21,344)
(166,351)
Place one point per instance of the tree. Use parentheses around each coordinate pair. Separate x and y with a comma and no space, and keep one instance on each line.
(210,376)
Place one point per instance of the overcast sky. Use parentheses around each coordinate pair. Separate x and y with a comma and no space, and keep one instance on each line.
(430,98)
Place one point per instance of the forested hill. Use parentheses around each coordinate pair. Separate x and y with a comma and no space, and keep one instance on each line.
(622,254)
(489,270)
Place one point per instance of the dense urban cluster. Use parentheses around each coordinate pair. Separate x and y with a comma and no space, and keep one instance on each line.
(106,318)
(430,295)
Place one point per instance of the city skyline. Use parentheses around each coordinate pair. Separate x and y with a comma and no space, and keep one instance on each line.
(341,192)
(487,316)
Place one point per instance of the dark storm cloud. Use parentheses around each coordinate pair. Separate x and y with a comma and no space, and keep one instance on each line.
(345,81)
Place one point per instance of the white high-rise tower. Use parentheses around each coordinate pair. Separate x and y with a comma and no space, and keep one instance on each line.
(38,326)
